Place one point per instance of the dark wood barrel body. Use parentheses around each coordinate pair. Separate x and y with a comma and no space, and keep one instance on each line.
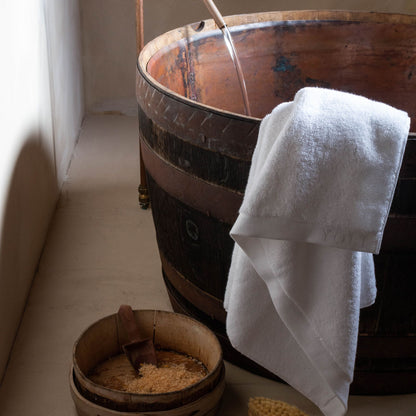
(197,146)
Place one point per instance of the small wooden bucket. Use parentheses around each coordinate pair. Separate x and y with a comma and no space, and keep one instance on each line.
(170,331)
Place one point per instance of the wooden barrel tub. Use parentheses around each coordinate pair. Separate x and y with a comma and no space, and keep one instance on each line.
(197,144)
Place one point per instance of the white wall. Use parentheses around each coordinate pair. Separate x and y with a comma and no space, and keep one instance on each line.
(109,49)
(109,45)
(41,109)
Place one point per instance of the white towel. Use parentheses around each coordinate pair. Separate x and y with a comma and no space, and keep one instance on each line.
(317,199)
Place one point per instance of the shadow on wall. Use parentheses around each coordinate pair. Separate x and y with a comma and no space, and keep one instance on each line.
(28,207)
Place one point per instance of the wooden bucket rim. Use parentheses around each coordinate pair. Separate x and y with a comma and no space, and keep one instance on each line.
(175,35)
(132,397)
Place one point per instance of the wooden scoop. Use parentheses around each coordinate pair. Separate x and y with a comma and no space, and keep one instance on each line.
(139,350)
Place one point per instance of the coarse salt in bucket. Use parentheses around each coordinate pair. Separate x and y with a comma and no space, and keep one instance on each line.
(170,331)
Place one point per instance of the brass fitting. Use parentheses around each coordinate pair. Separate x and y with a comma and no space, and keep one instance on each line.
(144,199)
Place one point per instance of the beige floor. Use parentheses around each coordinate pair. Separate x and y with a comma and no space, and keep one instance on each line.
(101,252)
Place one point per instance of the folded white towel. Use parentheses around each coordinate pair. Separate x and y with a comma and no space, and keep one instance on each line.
(318,195)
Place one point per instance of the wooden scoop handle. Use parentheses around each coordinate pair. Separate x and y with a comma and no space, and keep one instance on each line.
(126,315)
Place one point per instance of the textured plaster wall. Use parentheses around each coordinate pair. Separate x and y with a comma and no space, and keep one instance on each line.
(108,36)
(41,110)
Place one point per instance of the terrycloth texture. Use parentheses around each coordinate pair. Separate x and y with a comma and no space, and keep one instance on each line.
(319,191)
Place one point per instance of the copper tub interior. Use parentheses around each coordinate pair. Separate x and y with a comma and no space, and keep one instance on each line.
(368,55)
